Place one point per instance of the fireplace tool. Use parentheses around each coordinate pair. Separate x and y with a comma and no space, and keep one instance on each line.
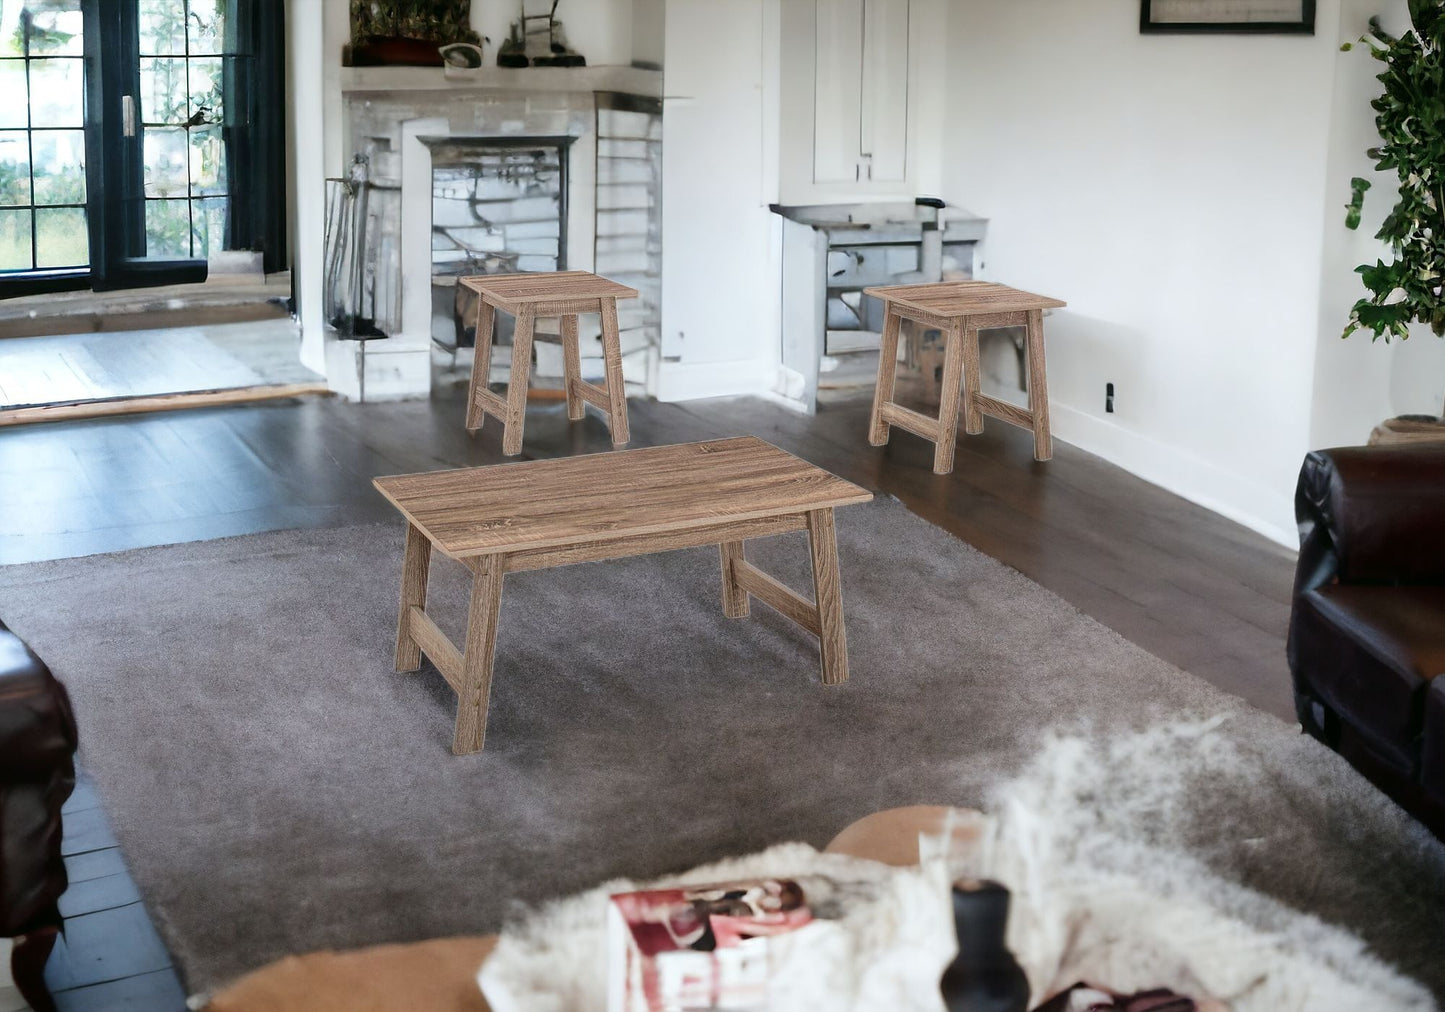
(350,301)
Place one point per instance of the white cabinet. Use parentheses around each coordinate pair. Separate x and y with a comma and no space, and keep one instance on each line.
(848,113)
(837,89)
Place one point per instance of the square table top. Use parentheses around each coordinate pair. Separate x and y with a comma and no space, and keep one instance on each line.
(551,286)
(604,496)
(964,298)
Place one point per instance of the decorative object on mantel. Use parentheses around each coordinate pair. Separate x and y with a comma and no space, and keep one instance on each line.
(1410,117)
(538,39)
(461,60)
(406,32)
(1269,16)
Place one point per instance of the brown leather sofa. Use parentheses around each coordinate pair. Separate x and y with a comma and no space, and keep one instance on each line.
(37,774)
(1367,633)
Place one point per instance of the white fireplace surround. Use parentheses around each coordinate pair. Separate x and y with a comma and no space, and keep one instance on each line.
(396,128)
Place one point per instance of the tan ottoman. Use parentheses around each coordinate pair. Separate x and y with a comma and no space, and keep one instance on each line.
(439,975)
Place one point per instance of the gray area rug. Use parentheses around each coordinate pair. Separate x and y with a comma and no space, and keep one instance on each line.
(276,788)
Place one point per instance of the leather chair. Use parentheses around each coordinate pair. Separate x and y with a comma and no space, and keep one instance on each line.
(1367,632)
(37,774)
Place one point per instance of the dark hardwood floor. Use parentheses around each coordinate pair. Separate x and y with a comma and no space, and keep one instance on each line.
(1180,581)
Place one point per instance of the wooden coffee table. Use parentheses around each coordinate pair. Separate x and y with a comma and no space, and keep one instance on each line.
(542,513)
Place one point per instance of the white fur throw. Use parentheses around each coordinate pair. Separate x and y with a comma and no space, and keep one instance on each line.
(897,938)
(1090,839)
(1101,892)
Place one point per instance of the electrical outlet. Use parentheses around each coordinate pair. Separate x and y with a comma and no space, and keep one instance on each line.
(1108,398)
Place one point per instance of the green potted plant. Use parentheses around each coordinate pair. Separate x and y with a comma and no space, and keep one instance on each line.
(1410,117)
(409,32)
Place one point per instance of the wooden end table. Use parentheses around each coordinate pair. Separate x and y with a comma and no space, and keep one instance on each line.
(563,294)
(541,513)
(960,309)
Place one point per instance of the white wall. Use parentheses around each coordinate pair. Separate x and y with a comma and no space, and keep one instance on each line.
(1357,382)
(720,275)
(1170,188)
(649,39)
(305,39)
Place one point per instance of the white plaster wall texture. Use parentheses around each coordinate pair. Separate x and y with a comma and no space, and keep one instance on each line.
(1170,188)
(307,155)
(649,40)
(720,287)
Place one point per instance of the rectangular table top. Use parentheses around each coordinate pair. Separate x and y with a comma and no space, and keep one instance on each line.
(603,496)
(964,298)
(554,286)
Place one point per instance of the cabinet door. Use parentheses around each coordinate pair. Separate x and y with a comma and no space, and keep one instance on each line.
(883,126)
(837,89)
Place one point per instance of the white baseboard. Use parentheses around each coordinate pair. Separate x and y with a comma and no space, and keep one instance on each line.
(690,381)
(1243,500)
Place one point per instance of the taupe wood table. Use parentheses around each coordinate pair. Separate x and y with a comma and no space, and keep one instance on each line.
(532,515)
(960,309)
(563,294)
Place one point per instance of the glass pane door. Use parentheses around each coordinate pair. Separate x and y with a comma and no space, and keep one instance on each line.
(43,219)
(138,138)
(178,116)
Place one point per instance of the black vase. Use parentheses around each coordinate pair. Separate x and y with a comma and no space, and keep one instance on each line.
(984,977)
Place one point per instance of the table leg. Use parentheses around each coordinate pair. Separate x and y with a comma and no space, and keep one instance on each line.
(948,399)
(517,384)
(475,689)
(415,566)
(616,388)
(1039,387)
(572,368)
(972,385)
(735,599)
(481,363)
(887,372)
(828,591)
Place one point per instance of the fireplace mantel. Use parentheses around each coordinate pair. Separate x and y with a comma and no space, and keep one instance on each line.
(627,80)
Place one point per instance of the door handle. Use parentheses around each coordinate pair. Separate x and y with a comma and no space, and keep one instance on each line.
(127,115)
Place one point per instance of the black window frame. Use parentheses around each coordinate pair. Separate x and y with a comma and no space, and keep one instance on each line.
(255,155)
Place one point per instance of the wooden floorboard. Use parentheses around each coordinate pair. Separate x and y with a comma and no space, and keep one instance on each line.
(1182,582)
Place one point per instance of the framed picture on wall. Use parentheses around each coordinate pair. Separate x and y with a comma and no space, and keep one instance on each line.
(1158,16)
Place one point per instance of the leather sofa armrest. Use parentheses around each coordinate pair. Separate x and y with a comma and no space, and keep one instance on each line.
(1371,514)
(37,727)
(37,774)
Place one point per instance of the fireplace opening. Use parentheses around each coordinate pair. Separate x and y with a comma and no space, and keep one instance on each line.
(499,206)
